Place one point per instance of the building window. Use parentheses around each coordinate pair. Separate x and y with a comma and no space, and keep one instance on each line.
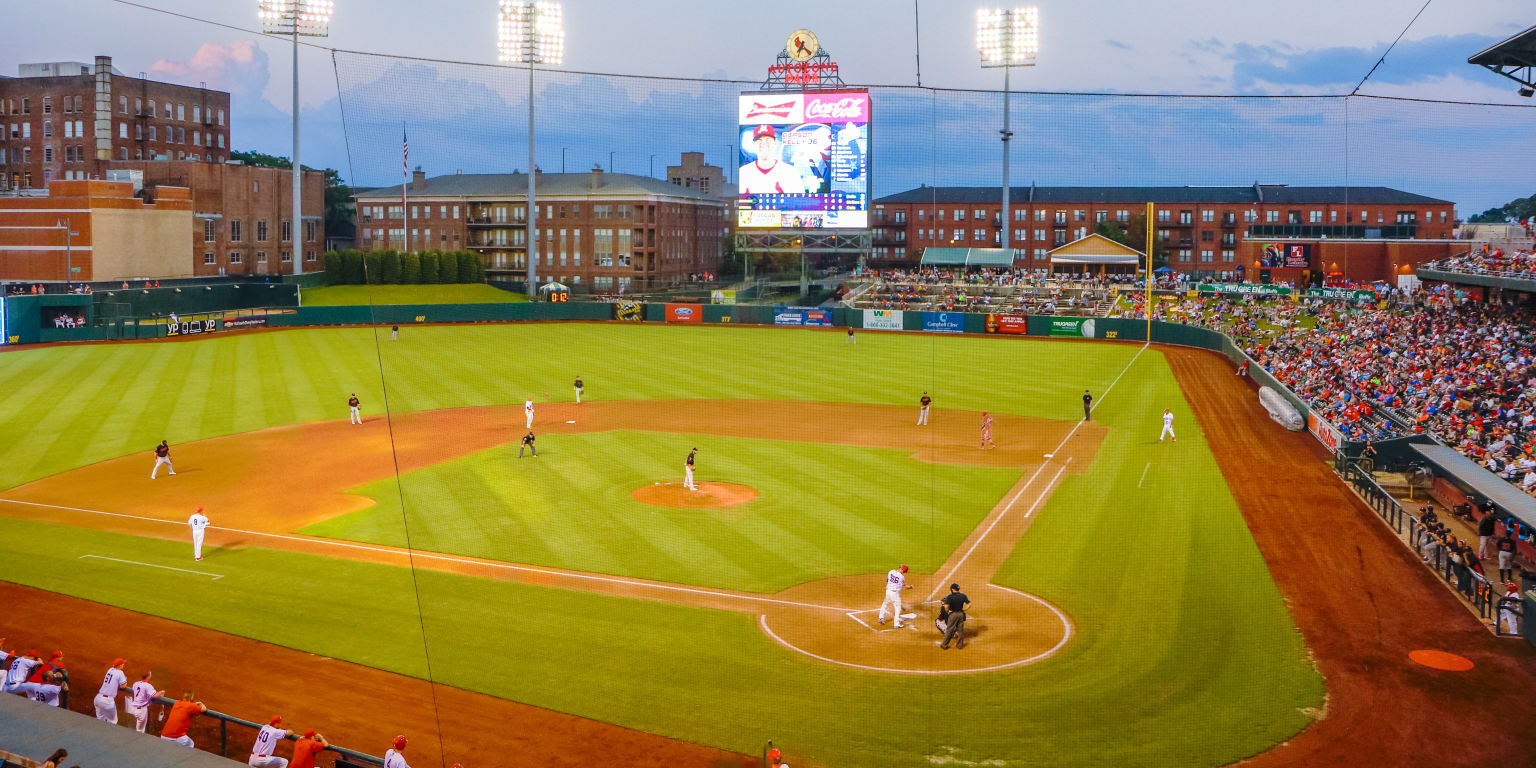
(123,151)
(309,255)
(151,112)
(1227,256)
(48,105)
(287,229)
(1186,217)
(26,106)
(208,234)
(1060,237)
(122,130)
(287,257)
(1184,254)
(221,141)
(197,114)
(170,110)
(1206,257)
(122,105)
(1270,217)
(207,257)
(197,138)
(309,231)
(221,118)
(152,133)
(978,214)
(1207,215)
(235,258)
(1079,214)
(261,257)
(1314,217)
(1099,217)
(1206,235)
(1162,217)
(1019,214)
(48,128)
(234,231)
(261,230)
(48,153)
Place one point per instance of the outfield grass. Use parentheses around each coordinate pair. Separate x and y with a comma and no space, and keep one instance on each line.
(823,510)
(463,293)
(1185,653)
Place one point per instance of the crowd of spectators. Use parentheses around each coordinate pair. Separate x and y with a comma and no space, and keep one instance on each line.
(1488,260)
(69,320)
(989,290)
(26,674)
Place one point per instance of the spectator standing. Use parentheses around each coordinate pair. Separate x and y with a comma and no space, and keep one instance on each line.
(394,757)
(179,721)
(305,749)
(267,740)
(138,701)
(1506,546)
(1486,527)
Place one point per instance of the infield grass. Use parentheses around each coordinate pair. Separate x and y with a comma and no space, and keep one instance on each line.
(1185,654)
(453,293)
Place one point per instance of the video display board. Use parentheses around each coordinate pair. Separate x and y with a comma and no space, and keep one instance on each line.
(804,160)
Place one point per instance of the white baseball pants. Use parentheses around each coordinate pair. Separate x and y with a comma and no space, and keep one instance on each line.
(892,600)
(529,412)
(106,708)
(1167,432)
(140,715)
(922,416)
(270,761)
(184,740)
(578,395)
(1509,623)
(688,478)
(357,415)
(197,543)
(159,460)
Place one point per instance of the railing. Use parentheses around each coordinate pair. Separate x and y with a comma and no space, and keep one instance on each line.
(1472,586)
(225,719)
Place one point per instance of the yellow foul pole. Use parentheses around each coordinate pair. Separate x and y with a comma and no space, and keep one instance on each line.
(1148,302)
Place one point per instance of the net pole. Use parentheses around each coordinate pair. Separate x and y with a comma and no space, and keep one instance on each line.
(1147,302)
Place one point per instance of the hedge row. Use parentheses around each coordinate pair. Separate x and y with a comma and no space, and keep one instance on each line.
(355,267)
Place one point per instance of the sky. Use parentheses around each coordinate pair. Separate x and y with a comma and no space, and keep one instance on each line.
(473,117)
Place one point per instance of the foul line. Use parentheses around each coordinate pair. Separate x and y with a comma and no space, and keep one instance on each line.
(465,561)
(939,585)
(216,576)
(1143,474)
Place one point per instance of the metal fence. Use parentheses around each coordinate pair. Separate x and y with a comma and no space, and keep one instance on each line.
(350,755)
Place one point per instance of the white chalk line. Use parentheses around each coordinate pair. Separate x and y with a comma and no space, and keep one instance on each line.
(216,576)
(1066,635)
(1009,506)
(1143,475)
(451,559)
(939,585)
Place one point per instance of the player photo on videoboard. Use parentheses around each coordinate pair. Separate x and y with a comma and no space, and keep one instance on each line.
(804,160)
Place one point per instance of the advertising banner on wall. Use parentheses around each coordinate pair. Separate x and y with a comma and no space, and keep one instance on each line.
(1345,294)
(1253,289)
(685,313)
(883,319)
(253,321)
(191,327)
(944,322)
(801,316)
(722,297)
(1286,255)
(629,311)
(1072,326)
(1017,325)
(804,160)
(1324,432)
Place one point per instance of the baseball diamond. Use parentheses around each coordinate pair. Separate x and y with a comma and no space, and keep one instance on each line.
(580,606)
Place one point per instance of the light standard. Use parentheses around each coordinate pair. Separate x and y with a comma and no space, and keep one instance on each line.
(1007,38)
(562,158)
(310,18)
(531,32)
(69,265)
(610,162)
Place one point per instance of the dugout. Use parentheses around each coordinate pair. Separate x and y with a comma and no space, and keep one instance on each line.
(34,318)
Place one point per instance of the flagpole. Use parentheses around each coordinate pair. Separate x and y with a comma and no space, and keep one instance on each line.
(405,179)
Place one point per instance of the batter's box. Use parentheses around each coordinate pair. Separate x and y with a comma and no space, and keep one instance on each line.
(873,624)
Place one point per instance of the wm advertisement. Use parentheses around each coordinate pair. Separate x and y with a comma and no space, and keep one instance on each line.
(883,319)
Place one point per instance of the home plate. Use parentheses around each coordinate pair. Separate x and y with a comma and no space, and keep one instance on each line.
(1050,455)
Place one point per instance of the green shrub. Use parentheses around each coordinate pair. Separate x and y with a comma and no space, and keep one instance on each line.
(429,267)
(410,268)
(471,270)
(352,267)
(389,268)
(333,268)
(448,267)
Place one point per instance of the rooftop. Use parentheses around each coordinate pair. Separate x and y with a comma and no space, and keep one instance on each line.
(1256,194)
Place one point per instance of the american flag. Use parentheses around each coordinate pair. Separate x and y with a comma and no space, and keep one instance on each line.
(405,153)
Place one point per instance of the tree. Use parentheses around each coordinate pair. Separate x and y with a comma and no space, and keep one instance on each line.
(410,269)
(1134,234)
(373,263)
(1518,209)
(333,267)
(470,268)
(448,267)
(352,267)
(428,267)
(389,268)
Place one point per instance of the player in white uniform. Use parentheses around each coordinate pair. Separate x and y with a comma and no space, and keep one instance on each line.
(528,411)
(106,699)
(769,174)
(267,740)
(1509,609)
(895,582)
(137,703)
(46,692)
(393,757)
(20,669)
(199,523)
(1167,426)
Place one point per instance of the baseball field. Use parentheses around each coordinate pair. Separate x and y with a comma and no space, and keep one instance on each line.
(1122,611)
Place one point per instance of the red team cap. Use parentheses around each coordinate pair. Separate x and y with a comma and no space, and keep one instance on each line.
(276,719)
(775,754)
(398,743)
(763,130)
(119,662)
(903,568)
(309,733)
(57,655)
(199,509)
(1510,586)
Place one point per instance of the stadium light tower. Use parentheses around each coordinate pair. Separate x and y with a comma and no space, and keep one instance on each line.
(1007,38)
(531,32)
(310,18)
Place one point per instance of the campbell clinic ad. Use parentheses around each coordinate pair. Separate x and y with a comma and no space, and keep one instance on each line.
(883,319)
(804,160)
(944,322)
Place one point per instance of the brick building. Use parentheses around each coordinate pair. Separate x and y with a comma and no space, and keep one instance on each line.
(603,230)
(94,230)
(693,173)
(242,215)
(1208,231)
(68,120)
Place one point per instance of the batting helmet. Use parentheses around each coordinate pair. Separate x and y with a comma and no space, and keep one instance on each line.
(775,755)
(903,568)
(398,743)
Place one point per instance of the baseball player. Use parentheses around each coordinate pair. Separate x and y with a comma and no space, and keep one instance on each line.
(55,662)
(1509,611)
(923,404)
(393,757)
(579,386)
(1167,426)
(528,443)
(895,582)
(47,691)
(986,431)
(851,339)
(394,333)
(355,409)
(199,523)
(688,471)
(767,173)
(162,456)
(305,749)
(106,699)
(19,670)
(179,721)
(267,740)
(776,759)
(528,411)
(138,701)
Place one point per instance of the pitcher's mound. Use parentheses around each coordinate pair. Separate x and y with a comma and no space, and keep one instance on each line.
(708,495)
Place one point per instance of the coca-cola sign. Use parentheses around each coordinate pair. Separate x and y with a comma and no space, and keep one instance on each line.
(837,108)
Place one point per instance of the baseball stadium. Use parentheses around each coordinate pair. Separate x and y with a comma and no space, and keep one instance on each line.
(778,476)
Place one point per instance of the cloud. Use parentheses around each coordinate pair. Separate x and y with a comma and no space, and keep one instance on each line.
(1118,44)
(1283,65)
(239,67)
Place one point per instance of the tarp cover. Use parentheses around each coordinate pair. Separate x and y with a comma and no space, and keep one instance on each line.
(1281,409)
